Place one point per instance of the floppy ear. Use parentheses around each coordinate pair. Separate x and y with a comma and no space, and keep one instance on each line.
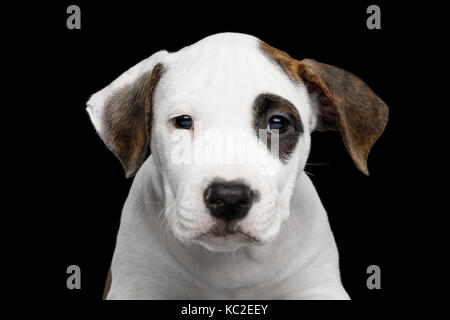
(347,104)
(344,103)
(122,112)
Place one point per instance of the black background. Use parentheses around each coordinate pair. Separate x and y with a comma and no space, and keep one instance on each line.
(81,186)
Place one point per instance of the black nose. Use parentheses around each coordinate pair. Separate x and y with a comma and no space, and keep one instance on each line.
(228,200)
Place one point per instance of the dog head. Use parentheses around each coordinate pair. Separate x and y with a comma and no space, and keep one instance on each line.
(227,122)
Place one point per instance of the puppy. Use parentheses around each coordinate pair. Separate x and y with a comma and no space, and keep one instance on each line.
(217,136)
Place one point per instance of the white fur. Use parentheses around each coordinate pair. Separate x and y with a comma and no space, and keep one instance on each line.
(158,254)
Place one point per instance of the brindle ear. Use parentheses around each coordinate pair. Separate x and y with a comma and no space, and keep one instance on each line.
(347,104)
(122,113)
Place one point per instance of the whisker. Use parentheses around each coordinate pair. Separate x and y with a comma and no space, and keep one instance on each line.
(318,164)
(165,231)
(309,173)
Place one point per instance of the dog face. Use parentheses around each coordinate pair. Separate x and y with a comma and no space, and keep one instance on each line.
(228,122)
(224,90)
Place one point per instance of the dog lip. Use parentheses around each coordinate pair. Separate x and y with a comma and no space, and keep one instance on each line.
(224,230)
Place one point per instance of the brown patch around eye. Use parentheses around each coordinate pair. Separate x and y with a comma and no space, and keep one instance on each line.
(267,105)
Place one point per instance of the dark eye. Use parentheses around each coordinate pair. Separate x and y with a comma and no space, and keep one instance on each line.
(278,122)
(182,122)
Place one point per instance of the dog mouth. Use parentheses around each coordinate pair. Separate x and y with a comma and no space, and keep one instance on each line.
(227,229)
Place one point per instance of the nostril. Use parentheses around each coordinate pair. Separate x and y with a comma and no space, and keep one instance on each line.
(243,203)
(219,202)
